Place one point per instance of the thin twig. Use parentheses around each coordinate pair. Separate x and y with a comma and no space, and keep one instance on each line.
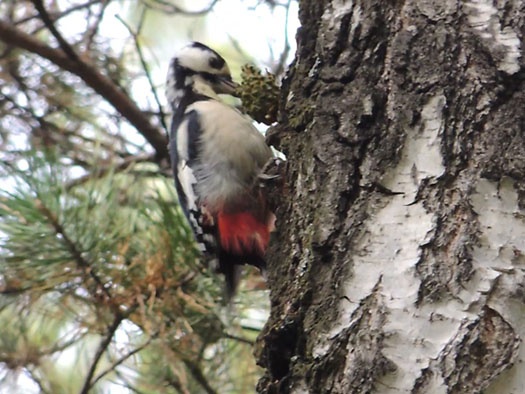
(56,16)
(238,48)
(64,45)
(102,347)
(249,328)
(37,380)
(98,82)
(146,71)
(124,382)
(92,31)
(119,361)
(238,339)
(49,127)
(279,68)
(101,172)
(110,146)
(199,376)
(61,347)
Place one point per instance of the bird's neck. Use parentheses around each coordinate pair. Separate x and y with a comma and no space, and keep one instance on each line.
(190,94)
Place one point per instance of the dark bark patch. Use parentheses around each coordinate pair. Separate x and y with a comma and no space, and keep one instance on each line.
(483,350)
(348,364)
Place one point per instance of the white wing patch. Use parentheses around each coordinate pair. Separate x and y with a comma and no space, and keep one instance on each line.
(182,142)
(188,181)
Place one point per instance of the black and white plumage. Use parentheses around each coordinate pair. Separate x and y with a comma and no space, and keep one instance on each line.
(217,155)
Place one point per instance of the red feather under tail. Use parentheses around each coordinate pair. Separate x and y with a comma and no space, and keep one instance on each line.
(242,233)
(243,239)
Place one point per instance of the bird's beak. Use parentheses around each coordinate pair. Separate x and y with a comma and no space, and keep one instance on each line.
(227,86)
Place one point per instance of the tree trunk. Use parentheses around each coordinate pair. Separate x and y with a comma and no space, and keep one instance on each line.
(397,265)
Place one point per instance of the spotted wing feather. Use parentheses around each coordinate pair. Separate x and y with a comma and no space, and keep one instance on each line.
(186,132)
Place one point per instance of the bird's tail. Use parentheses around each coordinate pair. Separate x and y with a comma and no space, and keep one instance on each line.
(243,240)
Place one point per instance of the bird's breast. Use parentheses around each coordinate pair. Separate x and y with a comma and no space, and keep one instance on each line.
(231,152)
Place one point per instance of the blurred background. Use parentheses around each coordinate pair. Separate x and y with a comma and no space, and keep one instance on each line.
(101,288)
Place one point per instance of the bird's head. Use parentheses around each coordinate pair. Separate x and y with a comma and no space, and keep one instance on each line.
(200,69)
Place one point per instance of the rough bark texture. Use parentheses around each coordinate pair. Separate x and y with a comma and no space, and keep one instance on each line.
(398,263)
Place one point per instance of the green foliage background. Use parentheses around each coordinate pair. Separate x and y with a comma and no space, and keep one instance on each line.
(101,287)
(108,267)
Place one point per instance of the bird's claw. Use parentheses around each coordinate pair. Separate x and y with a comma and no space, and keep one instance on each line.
(272,169)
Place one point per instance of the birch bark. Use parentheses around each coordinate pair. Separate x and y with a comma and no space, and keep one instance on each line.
(398,263)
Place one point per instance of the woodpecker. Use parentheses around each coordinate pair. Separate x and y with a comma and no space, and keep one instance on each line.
(217,157)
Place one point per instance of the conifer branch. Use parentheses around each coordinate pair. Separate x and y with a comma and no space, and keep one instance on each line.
(72,247)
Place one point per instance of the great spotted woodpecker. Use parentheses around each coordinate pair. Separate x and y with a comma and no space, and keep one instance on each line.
(217,157)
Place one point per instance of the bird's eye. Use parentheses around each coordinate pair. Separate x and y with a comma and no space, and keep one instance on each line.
(216,62)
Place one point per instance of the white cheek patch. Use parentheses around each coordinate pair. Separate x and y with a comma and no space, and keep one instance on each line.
(203,87)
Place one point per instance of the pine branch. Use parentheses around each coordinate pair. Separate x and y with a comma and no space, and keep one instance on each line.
(146,71)
(72,248)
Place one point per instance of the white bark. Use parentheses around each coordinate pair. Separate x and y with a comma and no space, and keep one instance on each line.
(401,265)
(503,42)
(500,269)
